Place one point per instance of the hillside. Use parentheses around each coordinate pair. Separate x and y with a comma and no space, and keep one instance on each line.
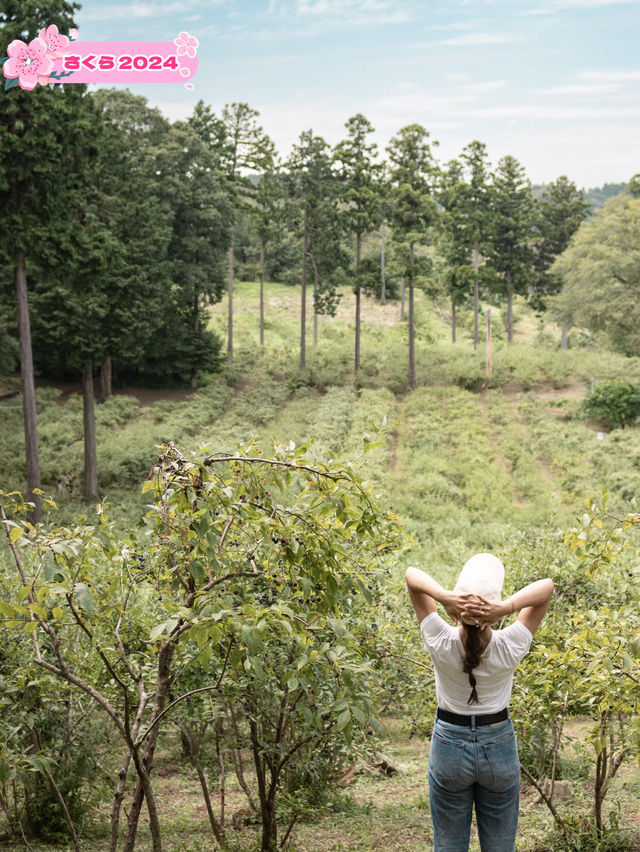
(507,467)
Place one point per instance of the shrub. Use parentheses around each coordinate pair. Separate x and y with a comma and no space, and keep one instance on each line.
(616,403)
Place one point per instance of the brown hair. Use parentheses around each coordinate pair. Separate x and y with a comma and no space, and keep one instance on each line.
(473,648)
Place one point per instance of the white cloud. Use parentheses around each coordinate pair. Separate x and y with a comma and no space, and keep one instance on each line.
(591,4)
(609,76)
(477,39)
(139,10)
(579,89)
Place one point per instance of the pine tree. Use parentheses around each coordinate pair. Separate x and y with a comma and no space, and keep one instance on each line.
(413,212)
(476,210)
(312,189)
(37,171)
(358,172)
(512,231)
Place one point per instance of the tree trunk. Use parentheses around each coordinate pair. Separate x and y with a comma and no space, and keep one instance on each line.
(565,337)
(382,267)
(193,382)
(105,379)
(509,307)
(89,416)
(489,347)
(357,353)
(303,304)
(143,790)
(28,389)
(194,754)
(402,300)
(412,354)
(261,292)
(453,321)
(476,295)
(230,307)
(315,303)
(118,796)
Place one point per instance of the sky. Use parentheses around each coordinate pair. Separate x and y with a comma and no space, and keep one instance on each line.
(554,83)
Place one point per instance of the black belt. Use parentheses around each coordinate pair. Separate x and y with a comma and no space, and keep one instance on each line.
(457,719)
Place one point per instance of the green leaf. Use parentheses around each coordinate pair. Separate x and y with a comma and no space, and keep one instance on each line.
(6,609)
(343,719)
(15,533)
(84,598)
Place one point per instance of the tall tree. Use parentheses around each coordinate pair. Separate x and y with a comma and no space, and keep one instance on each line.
(561,210)
(36,173)
(355,156)
(475,205)
(244,143)
(267,209)
(454,244)
(413,212)
(600,271)
(312,190)
(126,181)
(512,231)
(197,202)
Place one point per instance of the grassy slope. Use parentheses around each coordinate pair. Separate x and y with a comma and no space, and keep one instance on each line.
(463,467)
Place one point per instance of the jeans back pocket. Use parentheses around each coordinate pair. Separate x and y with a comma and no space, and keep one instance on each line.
(502,764)
(445,760)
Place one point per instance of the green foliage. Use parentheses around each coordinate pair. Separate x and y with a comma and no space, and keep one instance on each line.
(616,403)
(600,274)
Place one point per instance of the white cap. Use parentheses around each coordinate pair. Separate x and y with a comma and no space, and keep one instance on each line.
(483,574)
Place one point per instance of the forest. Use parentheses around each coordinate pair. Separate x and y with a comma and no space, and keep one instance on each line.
(240,392)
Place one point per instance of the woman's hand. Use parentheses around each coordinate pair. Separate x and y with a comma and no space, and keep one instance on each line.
(485,611)
(467,605)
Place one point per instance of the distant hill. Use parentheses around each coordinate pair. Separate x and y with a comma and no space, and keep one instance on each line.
(596,196)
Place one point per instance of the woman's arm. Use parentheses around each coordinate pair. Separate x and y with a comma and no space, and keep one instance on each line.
(424,591)
(532,601)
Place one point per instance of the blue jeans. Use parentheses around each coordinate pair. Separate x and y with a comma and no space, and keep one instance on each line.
(475,765)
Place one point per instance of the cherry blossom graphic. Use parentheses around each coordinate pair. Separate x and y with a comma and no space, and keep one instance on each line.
(186,44)
(185,72)
(57,45)
(73,34)
(27,62)
(189,86)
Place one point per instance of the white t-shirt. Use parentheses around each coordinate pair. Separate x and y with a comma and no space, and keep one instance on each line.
(494,673)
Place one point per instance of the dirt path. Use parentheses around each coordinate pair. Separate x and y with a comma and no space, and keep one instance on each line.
(494,439)
(543,465)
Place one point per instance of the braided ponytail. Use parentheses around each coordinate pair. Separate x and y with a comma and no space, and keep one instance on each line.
(473,648)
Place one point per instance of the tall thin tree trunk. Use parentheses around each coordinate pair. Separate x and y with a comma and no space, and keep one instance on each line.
(412,353)
(193,382)
(303,305)
(453,321)
(357,352)
(315,303)
(105,378)
(89,418)
(28,389)
(476,294)
(402,299)
(565,337)
(509,307)
(489,347)
(230,306)
(383,280)
(262,292)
